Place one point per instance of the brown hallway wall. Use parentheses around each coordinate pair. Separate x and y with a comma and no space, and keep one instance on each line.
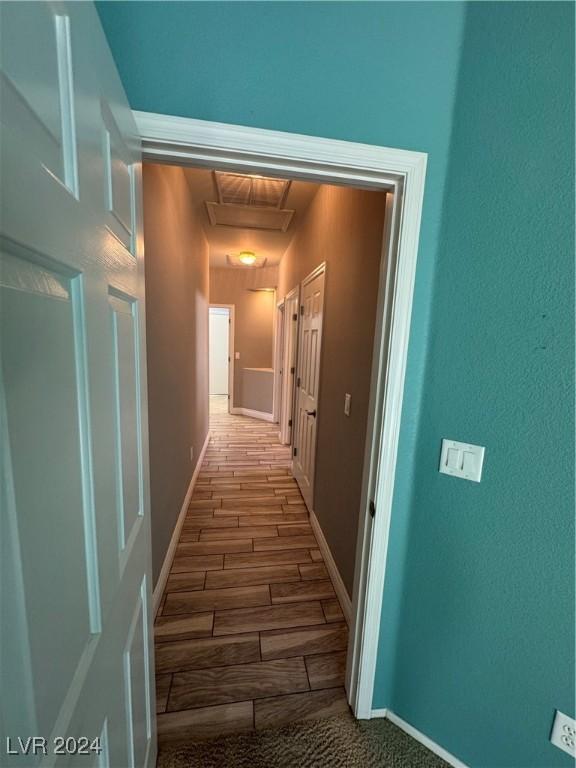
(253,330)
(344,228)
(177,274)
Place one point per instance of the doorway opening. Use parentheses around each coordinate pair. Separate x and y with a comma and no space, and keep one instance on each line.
(220,355)
(399,176)
(267,545)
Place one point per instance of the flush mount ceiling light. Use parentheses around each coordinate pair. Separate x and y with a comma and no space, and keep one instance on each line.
(245,259)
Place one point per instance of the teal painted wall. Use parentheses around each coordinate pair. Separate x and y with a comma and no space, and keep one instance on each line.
(483,597)
(477,628)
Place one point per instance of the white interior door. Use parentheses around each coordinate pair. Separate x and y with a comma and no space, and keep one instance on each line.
(307,382)
(291,304)
(219,352)
(75,650)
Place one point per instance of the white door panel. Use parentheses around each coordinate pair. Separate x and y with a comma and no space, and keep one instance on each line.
(307,384)
(75,650)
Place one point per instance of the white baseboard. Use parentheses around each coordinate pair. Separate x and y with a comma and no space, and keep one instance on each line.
(341,591)
(419,736)
(375,713)
(167,564)
(253,414)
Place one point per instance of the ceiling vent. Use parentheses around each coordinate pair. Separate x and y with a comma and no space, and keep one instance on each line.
(250,202)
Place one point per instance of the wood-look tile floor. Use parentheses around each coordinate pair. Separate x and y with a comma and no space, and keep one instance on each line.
(250,633)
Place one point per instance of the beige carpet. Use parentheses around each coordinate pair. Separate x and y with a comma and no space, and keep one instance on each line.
(336,742)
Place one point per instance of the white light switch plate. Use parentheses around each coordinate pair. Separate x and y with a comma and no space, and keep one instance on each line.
(236,355)
(461,460)
(564,733)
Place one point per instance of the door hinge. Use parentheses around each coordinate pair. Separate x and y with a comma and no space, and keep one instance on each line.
(295,452)
(372,508)
(302,309)
(298,381)
(294,316)
(289,422)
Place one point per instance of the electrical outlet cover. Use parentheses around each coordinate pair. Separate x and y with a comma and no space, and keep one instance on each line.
(563,733)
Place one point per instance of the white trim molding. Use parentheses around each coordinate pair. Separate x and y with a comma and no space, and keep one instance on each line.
(378,713)
(263,415)
(341,591)
(167,564)
(419,736)
(231,356)
(278,335)
(184,141)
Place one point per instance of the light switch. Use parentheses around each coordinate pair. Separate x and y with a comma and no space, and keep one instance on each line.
(462,460)
(453,458)
(236,355)
(347,404)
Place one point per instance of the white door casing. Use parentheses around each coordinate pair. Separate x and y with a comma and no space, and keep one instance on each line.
(291,314)
(278,358)
(219,352)
(75,631)
(231,353)
(308,382)
(183,140)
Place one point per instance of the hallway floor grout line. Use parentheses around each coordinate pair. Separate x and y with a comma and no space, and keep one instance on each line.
(250,633)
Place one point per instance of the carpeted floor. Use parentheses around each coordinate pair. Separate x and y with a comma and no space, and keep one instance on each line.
(336,742)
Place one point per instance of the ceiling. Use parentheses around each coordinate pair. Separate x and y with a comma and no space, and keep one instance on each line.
(223,240)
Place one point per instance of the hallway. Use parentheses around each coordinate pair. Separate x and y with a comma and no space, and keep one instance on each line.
(250,633)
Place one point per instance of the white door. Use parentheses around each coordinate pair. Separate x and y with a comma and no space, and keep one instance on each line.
(75,629)
(291,304)
(219,352)
(307,382)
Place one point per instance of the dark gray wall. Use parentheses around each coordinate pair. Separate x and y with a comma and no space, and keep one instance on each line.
(177,277)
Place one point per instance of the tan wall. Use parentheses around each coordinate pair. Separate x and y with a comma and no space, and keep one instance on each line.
(177,273)
(253,328)
(344,228)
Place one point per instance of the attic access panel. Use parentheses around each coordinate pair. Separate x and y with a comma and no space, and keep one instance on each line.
(257,191)
(247,217)
(250,202)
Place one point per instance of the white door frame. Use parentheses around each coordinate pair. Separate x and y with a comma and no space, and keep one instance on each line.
(289,378)
(279,372)
(185,141)
(230,307)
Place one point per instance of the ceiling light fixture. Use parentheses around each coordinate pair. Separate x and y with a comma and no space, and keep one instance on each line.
(247,257)
(244,259)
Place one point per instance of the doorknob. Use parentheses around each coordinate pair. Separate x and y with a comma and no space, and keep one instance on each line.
(311,413)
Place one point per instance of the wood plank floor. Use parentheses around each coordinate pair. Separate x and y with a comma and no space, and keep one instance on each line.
(250,633)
